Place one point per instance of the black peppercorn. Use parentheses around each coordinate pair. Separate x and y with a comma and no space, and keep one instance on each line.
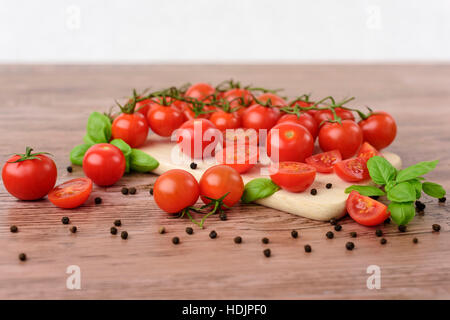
(415,240)
(223,216)
(98,200)
(14,229)
(124,235)
(350,245)
(132,190)
(265,240)
(307,248)
(193,165)
(402,228)
(383,241)
(124,190)
(65,220)
(117,223)
(338,227)
(329,235)
(328,185)
(69,169)
(333,222)
(73,229)
(313,192)
(162,230)
(388,220)
(151,191)
(353,234)
(189,230)
(267,252)
(22,257)
(213,234)
(375,197)
(420,206)
(237,240)
(175,240)
(436,227)
(113,230)
(294,234)
(378,233)
(442,200)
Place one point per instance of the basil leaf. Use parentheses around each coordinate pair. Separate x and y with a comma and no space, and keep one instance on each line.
(98,129)
(126,150)
(416,170)
(258,188)
(366,190)
(389,186)
(402,192)
(77,153)
(417,186)
(402,212)
(433,189)
(142,162)
(380,170)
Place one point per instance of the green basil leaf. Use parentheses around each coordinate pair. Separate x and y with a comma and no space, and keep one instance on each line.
(366,190)
(417,186)
(258,188)
(389,185)
(402,212)
(433,189)
(416,170)
(402,192)
(380,170)
(98,129)
(77,153)
(142,162)
(126,150)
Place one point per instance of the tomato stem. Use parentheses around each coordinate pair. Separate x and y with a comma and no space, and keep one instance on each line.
(28,155)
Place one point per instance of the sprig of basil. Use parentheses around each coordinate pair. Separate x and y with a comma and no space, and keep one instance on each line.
(402,192)
(366,190)
(142,162)
(126,150)
(77,153)
(416,170)
(380,170)
(402,212)
(258,188)
(98,129)
(433,189)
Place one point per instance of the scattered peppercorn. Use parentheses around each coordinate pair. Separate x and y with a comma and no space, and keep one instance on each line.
(14,229)
(213,234)
(436,227)
(353,234)
(124,235)
(402,228)
(329,235)
(442,200)
(383,241)
(113,230)
(294,234)
(313,192)
(265,240)
(420,212)
(338,227)
(65,220)
(189,230)
(73,229)
(117,223)
(328,185)
(267,252)
(175,240)
(333,221)
(350,245)
(162,230)
(378,233)
(223,216)
(388,220)
(69,169)
(415,240)
(375,197)
(420,206)
(193,165)
(151,191)
(124,190)
(98,200)
(237,240)
(132,190)
(22,257)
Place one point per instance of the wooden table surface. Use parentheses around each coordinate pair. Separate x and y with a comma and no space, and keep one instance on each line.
(47,107)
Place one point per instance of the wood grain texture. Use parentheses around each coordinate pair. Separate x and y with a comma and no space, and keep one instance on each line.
(47,106)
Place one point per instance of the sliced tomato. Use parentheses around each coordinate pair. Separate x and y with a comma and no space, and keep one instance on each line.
(72,193)
(240,157)
(367,151)
(352,170)
(365,210)
(324,162)
(292,176)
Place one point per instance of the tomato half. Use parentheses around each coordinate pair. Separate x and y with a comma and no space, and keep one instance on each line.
(259,117)
(365,210)
(324,162)
(292,176)
(305,120)
(346,137)
(72,193)
(240,157)
(367,151)
(352,170)
(104,164)
(197,135)
(131,128)
(164,120)
(379,129)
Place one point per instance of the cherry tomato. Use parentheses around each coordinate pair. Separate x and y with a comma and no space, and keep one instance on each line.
(352,170)
(175,190)
(220,180)
(305,120)
(346,137)
(240,136)
(240,157)
(131,128)
(292,176)
(323,115)
(72,193)
(324,162)
(292,143)
(163,120)
(365,210)
(31,178)
(305,104)
(274,99)
(144,105)
(379,129)
(367,151)
(238,97)
(190,114)
(200,91)
(104,164)
(225,120)
(259,117)
(197,135)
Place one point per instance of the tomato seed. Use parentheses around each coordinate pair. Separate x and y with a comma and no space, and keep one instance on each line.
(313,192)
(265,240)
(22,257)
(117,223)
(162,230)
(383,241)
(329,235)
(69,169)
(294,234)
(175,240)
(98,200)
(14,229)
(213,234)
(328,185)
(189,230)
(436,227)
(65,220)
(415,240)
(338,227)
(350,245)
(132,190)
(124,235)
(353,234)
(267,253)
(124,190)
(402,228)
(113,230)
(378,233)
(73,229)
(308,248)
(237,240)
(193,165)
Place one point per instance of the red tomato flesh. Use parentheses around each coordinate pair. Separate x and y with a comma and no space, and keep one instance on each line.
(367,151)
(352,170)
(292,176)
(72,193)
(324,162)
(365,210)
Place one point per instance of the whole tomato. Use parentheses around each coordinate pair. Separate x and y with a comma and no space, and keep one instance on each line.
(131,128)
(104,164)
(323,115)
(346,137)
(274,99)
(165,119)
(238,98)
(197,135)
(200,91)
(304,119)
(379,129)
(29,176)
(225,120)
(260,117)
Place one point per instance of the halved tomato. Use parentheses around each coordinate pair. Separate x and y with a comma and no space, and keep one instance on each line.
(365,210)
(352,170)
(324,162)
(367,151)
(72,193)
(240,157)
(292,176)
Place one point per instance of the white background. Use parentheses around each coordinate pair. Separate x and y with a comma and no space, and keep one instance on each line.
(224,31)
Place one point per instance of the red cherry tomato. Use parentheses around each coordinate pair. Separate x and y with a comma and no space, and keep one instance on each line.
(259,117)
(131,128)
(144,105)
(104,164)
(225,120)
(365,210)
(175,190)
(197,135)
(220,180)
(163,120)
(305,104)
(240,157)
(240,136)
(30,179)
(367,151)
(323,115)
(238,98)
(346,137)
(324,162)
(200,91)
(305,120)
(274,99)
(379,129)
(292,143)
(72,193)
(190,114)
(292,176)
(352,170)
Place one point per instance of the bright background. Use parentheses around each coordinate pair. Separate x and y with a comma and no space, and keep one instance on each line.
(224,31)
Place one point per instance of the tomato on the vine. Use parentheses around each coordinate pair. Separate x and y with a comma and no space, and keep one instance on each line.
(238,98)
(289,141)
(200,91)
(29,176)
(365,210)
(131,128)
(175,190)
(144,105)
(352,170)
(225,120)
(379,129)
(346,137)
(165,119)
(274,99)
(104,164)
(240,136)
(292,176)
(322,116)
(240,157)
(367,151)
(324,162)
(304,119)
(197,137)
(71,194)
(260,117)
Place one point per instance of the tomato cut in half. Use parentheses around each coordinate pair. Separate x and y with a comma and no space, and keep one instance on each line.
(72,193)
(240,157)
(365,210)
(292,176)
(367,151)
(352,170)
(324,162)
